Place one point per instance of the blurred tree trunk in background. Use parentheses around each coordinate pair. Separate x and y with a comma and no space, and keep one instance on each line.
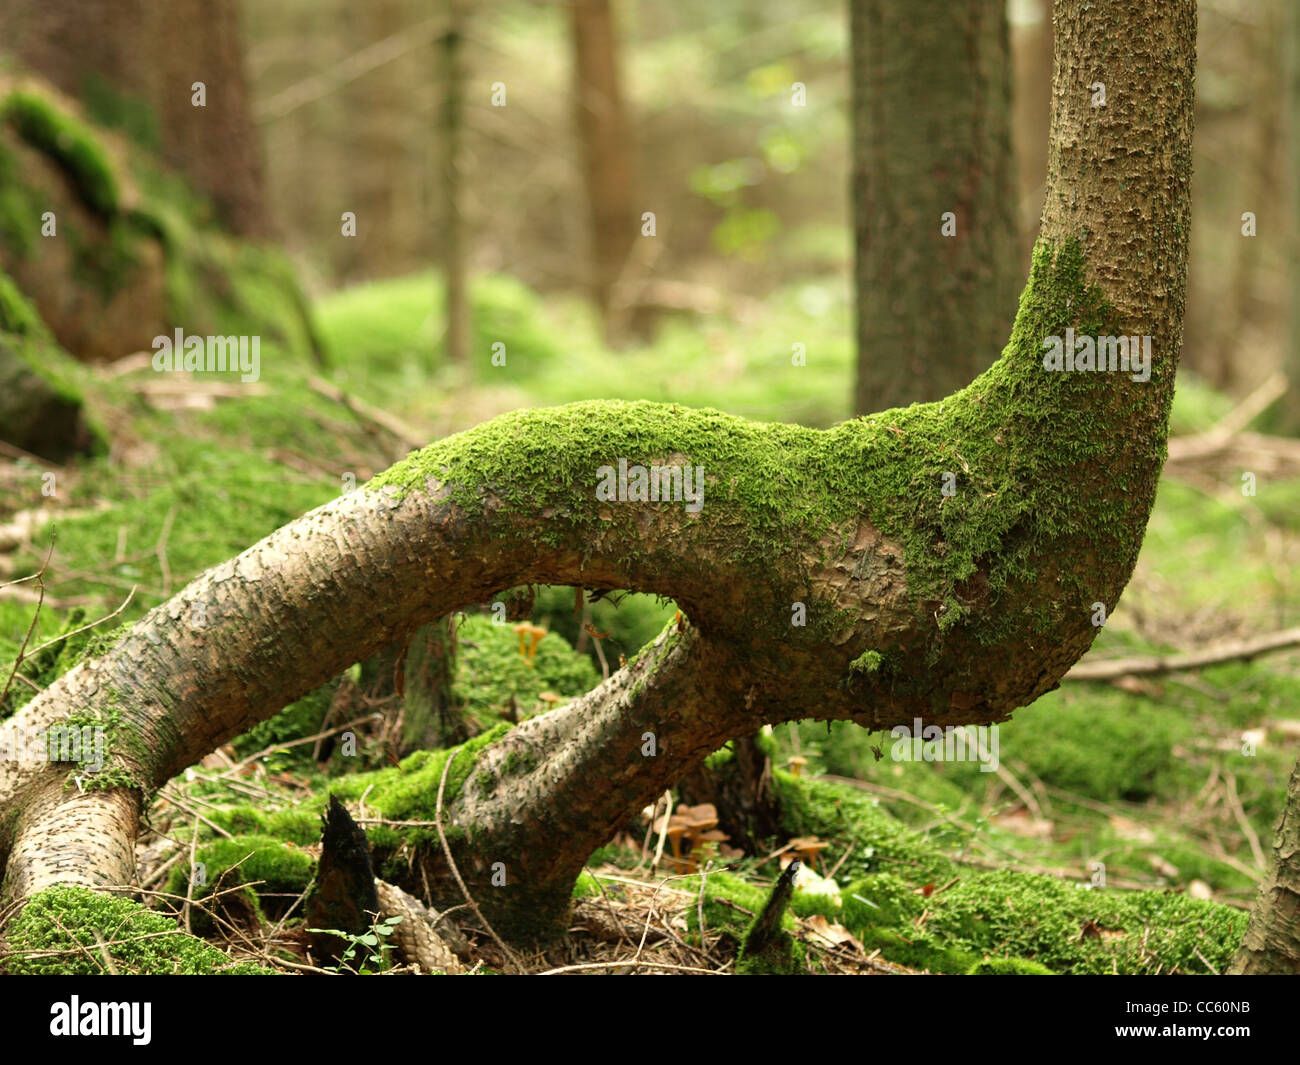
(931,153)
(606,149)
(455,254)
(1031,101)
(1272,942)
(1291,190)
(376,141)
(932,133)
(119,55)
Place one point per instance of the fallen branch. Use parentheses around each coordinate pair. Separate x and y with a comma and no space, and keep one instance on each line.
(406,436)
(1228,651)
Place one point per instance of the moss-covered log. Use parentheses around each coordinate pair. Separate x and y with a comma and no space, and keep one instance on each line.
(957,607)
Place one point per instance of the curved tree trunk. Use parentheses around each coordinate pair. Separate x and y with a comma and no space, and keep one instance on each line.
(957,608)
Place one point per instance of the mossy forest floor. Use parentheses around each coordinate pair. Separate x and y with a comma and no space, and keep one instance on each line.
(1124,832)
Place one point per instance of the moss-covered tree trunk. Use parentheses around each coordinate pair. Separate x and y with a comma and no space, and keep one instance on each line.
(934,202)
(957,607)
(1272,942)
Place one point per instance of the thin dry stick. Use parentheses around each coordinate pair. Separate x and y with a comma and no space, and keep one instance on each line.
(354,66)
(650,909)
(40,584)
(82,628)
(160,549)
(699,902)
(645,843)
(297,743)
(185,807)
(103,949)
(663,834)
(1234,804)
(1227,651)
(81,948)
(609,907)
(189,880)
(158,873)
(600,651)
(843,858)
(395,427)
(632,965)
(451,862)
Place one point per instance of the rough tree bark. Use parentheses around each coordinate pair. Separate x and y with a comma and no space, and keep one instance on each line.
(1272,943)
(957,608)
(933,195)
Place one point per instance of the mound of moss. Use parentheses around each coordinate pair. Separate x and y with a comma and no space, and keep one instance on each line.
(283,871)
(848,816)
(409,792)
(74,931)
(67,139)
(1029,921)
(490,670)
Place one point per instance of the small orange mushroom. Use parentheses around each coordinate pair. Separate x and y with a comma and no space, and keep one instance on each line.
(528,631)
(808,848)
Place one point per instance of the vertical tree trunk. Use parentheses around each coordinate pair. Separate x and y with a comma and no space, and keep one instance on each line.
(606,147)
(1291,140)
(1031,99)
(455,251)
(1272,943)
(430,714)
(154,51)
(931,151)
(374,135)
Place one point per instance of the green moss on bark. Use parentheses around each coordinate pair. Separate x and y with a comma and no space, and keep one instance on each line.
(1020,440)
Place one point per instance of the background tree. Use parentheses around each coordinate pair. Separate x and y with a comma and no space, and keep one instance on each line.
(934,199)
(147,55)
(1291,185)
(455,238)
(606,147)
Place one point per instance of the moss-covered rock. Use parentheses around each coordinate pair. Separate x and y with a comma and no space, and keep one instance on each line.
(41,411)
(74,931)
